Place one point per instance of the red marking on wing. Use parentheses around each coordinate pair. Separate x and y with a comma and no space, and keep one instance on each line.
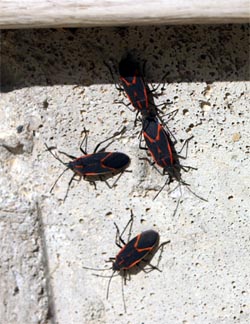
(128,84)
(134,79)
(142,249)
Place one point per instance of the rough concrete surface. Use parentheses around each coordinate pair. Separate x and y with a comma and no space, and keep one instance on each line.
(53,84)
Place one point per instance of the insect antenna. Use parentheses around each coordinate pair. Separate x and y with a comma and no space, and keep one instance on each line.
(95,269)
(107,294)
(178,201)
(166,182)
(187,186)
(199,197)
(55,155)
(57,158)
(58,179)
(96,275)
(123,297)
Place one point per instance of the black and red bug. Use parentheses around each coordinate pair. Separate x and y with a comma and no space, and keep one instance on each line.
(133,84)
(131,81)
(99,165)
(137,252)
(162,149)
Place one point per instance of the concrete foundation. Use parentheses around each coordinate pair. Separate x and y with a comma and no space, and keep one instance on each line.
(54,84)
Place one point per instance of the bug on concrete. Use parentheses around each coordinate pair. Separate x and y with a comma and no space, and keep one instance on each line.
(136,253)
(99,165)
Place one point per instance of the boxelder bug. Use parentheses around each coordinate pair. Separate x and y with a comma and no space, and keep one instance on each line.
(137,91)
(134,85)
(163,152)
(99,165)
(133,254)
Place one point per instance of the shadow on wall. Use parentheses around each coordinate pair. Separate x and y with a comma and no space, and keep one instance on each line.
(40,57)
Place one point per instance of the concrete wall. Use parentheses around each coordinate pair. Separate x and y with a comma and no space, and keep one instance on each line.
(54,84)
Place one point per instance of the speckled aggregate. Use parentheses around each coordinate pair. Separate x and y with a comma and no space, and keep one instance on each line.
(54,84)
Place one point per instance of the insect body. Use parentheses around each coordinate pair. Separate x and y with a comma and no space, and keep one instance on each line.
(134,85)
(100,165)
(134,253)
(136,250)
(161,147)
(162,150)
